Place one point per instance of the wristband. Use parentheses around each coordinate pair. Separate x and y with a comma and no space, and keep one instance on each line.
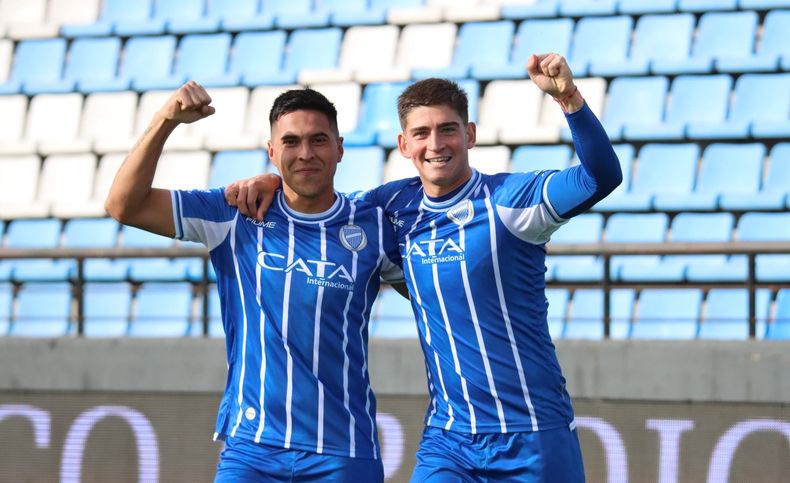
(563,100)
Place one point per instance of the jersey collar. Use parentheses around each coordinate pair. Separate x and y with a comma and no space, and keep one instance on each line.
(462,193)
(333,210)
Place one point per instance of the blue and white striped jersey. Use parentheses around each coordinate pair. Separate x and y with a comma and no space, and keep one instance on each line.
(475,267)
(296,292)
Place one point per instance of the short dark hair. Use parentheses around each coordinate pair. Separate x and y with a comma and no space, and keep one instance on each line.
(433,92)
(303,100)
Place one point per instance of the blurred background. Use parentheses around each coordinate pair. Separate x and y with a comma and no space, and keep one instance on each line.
(669,302)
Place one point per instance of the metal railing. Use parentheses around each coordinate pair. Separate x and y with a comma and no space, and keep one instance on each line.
(605,250)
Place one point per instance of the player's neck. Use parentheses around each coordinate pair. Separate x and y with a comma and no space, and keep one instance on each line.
(439,191)
(309,204)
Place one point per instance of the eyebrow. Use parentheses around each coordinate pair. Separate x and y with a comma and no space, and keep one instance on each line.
(441,126)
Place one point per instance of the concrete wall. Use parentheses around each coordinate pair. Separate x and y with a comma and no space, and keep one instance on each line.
(742,371)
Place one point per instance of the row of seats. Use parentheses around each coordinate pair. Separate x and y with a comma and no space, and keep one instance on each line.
(585,228)
(512,112)
(175,310)
(48,18)
(719,313)
(659,177)
(595,46)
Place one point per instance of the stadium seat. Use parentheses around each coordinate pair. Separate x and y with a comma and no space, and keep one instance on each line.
(38,60)
(365,50)
(347,95)
(308,48)
(43,310)
(726,314)
(52,120)
(774,44)
(599,39)
(632,7)
(163,12)
(693,100)
(38,233)
(361,169)
(295,14)
(773,194)
(12,123)
(17,14)
(107,123)
(112,13)
(593,89)
(557,310)
(222,130)
(93,204)
(667,314)
(585,228)
(91,60)
(752,113)
(145,61)
(90,233)
(635,228)
(478,44)
(719,35)
(529,10)
(663,169)
(531,158)
(106,309)
(257,56)
(398,167)
(162,310)
(705,5)
(585,317)
(204,59)
(533,36)
(230,166)
(378,121)
(509,114)
(450,10)
(256,124)
(65,178)
(725,168)
(779,328)
(655,37)
(18,185)
(236,15)
(6,56)
(634,102)
(62,13)
(490,159)
(393,318)
(6,304)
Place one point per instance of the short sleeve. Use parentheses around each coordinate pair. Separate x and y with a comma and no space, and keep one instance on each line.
(202,216)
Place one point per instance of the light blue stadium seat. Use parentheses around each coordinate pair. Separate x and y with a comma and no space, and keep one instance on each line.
(753,113)
(544,9)
(112,13)
(727,314)
(344,13)
(478,44)
(394,318)
(144,60)
(40,233)
(294,14)
(625,154)
(634,101)
(693,100)
(89,59)
(308,48)
(706,5)
(725,168)
(774,44)
(237,15)
(635,228)
(655,37)
(775,190)
(257,56)
(533,36)
(204,58)
(374,14)
(779,328)
(599,39)
(764,227)
(361,169)
(378,119)
(37,61)
(106,309)
(6,304)
(585,228)
(531,158)
(93,233)
(153,268)
(557,310)
(762,4)
(43,310)
(585,8)
(585,320)
(667,314)
(230,166)
(162,310)
(719,35)
(646,6)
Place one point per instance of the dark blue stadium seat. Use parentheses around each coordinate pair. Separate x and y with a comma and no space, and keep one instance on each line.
(597,39)
(667,314)
(112,13)
(634,101)
(43,310)
(162,310)
(774,192)
(726,314)
(37,61)
(725,168)
(585,320)
(106,308)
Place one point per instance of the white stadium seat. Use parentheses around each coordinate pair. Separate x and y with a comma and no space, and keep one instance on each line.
(18,186)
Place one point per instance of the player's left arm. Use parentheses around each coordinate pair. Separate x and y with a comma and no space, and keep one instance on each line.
(576,189)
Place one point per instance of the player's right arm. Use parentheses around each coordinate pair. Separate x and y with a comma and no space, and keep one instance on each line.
(132,200)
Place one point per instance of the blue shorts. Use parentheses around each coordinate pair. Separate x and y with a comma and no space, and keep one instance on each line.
(546,456)
(244,461)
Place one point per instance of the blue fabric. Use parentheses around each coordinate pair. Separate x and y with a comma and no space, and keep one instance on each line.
(243,461)
(541,457)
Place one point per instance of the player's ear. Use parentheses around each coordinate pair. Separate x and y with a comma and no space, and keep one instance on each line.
(471,135)
(403,146)
(340,149)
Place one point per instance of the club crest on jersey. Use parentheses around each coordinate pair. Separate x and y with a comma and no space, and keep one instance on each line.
(461,213)
(353,237)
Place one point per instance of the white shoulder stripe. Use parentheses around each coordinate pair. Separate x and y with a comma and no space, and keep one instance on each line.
(532,225)
(210,233)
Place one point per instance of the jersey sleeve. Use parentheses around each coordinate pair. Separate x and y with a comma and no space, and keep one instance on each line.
(523,206)
(392,265)
(202,216)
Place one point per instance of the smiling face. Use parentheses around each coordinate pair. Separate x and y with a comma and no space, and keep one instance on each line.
(437,141)
(306,149)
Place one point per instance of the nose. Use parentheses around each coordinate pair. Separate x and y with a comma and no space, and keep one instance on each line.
(435,143)
(305,150)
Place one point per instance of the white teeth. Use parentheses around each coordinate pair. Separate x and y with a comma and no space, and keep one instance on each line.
(443,159)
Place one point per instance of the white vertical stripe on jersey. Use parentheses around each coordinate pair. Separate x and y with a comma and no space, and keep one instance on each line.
(319,447)
(262,412)
(290,363)
(244,323)
(351,420)
(450,417)
(503,306)
(449,331)
(430,391)
(479,334)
